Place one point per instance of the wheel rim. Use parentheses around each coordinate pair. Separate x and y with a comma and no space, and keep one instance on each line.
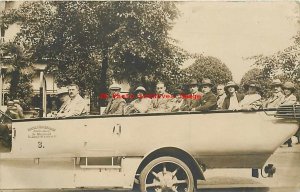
(167,176)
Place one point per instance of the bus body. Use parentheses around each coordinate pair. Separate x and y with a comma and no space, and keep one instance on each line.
(112,151)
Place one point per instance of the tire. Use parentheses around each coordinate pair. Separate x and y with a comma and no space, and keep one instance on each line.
(166,174)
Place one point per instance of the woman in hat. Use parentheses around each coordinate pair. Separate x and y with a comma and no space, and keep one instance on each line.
(231,102)
(252,99)
(288,91)
(141,104)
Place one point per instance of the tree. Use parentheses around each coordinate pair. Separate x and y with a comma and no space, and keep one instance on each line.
(283,63)
(208,67)
(20,75)
(90,43)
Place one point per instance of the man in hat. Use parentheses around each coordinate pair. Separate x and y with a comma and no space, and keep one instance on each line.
(233,98)
(19,108)
(63,96)
(252,99)
(116,103)
(277,98)
(76,105)
(141,104)
(209,100)
(192,100)
(160,101)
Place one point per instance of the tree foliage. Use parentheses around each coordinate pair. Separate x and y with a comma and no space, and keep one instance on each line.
(90,42)
(208,67)
(283,63)
(19,73)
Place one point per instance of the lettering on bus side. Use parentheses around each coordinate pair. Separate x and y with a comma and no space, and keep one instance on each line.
(41,132)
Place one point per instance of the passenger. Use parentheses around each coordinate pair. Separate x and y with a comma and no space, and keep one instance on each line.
(252,100)
(63,96)
(19,108)
(278,96)
(209,100)
(116,103)
(221,95)
(76,105)
(177,103)
(139,105)
(12,110)
(193,99)
(289,97)
(161,99)
(232,99)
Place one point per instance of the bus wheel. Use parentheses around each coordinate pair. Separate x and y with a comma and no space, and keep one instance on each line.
(166,174)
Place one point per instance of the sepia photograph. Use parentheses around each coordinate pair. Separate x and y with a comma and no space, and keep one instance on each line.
(149,96)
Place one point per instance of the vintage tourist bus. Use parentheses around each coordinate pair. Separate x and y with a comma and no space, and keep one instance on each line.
(152,152)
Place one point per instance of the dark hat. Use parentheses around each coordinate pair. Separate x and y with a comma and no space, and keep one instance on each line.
(193,82)
(289,85)
(206,82)
(276,82)
(231,84)
(177,92)
(252,84)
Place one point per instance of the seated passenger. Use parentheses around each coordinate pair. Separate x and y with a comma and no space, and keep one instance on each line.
(220,95)
(277,98)
(160,100)
(76,106)
(116,103)
(19,108)
(12,111)
(178,102)
(252,99)
(289,97)
(139,105)
(192,100)
(209,100)
(232,99)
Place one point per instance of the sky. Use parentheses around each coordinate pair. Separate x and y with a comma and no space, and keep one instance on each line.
(234,31)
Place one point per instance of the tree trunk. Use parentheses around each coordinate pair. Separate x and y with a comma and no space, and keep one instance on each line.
(103,77)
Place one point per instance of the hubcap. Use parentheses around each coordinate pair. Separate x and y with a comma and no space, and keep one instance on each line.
(167,177)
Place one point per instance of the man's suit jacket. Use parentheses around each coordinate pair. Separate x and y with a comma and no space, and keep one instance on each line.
(115,106)
(207,102)
(160,102)
(192,101)
(74,107)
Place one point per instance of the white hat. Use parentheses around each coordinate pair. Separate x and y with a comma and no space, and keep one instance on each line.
(62,90)
(115,86)
(140,88)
